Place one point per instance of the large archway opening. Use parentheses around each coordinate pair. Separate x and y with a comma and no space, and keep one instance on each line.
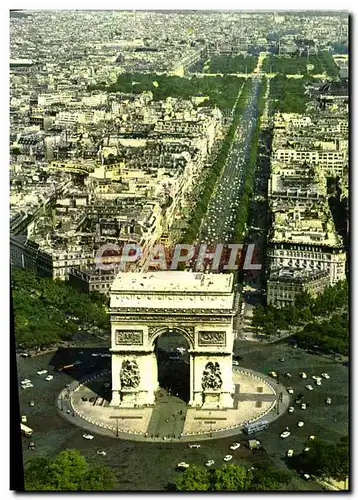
(172,353)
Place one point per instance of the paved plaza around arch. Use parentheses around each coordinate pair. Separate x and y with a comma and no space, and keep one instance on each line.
(170,418)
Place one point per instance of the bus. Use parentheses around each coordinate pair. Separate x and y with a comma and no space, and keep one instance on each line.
(26,431)
(255,427)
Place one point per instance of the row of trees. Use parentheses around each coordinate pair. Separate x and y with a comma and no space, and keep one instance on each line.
(230,64)
(324,318)
(322,62)
(232,478)
(44,310)
(68,471)
(329,65)
(250,167)
(221,90)
(324,459)
(211,179)
(288,95)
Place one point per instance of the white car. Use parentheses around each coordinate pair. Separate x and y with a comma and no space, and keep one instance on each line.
(87,436)
(285,434)
(227,458)
(291,409)
(303,406)
(26,381)
(235,363)
(235,446)
(101,452)
(307,477)
(209,463)
(316,377)
(303,375)
(306,449)
(300,424)
(289,453)
(325,375)
(27,386)
(49,377)
(273,374)
(182,465)
(309,387)
(289,390)
(194,445)
(312,437)
(328,401)
(318,382)
(42,372)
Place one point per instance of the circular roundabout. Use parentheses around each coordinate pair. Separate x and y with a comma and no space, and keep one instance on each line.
(257,397)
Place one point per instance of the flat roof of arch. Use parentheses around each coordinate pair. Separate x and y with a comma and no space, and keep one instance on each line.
(173,281)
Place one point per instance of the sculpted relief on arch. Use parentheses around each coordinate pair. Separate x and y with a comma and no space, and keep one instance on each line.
(129,374)
(211,379)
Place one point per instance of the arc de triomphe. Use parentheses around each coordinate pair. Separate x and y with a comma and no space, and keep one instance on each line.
(199,306)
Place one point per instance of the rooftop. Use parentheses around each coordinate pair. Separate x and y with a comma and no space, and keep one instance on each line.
(173,281)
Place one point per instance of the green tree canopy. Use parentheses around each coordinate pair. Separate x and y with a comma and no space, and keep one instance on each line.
(194,479)
(68,471)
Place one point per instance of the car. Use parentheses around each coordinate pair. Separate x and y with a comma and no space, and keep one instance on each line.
(303,406)
(41,372)
(49,377)
(285,434)
(24,355)
(87,436)
(235,363)
(31,445)
(194,445)
(325,375)
(32,403)
(27,386)
(307,477)
(289,453)
(273,374)
(23,419)
(300,424)
(328,401)
(312,437)
(318,382)
(26,381)
(303,375)
(101,452)
(309,387)
(282,360)
(288,375)
(209,463)
(306,449)
(289,390)
(83,398)
(316,377)
(235,446)
(291,409)
(227,458)
(182,465)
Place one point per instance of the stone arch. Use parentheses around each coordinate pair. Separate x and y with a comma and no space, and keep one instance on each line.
(186,332)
